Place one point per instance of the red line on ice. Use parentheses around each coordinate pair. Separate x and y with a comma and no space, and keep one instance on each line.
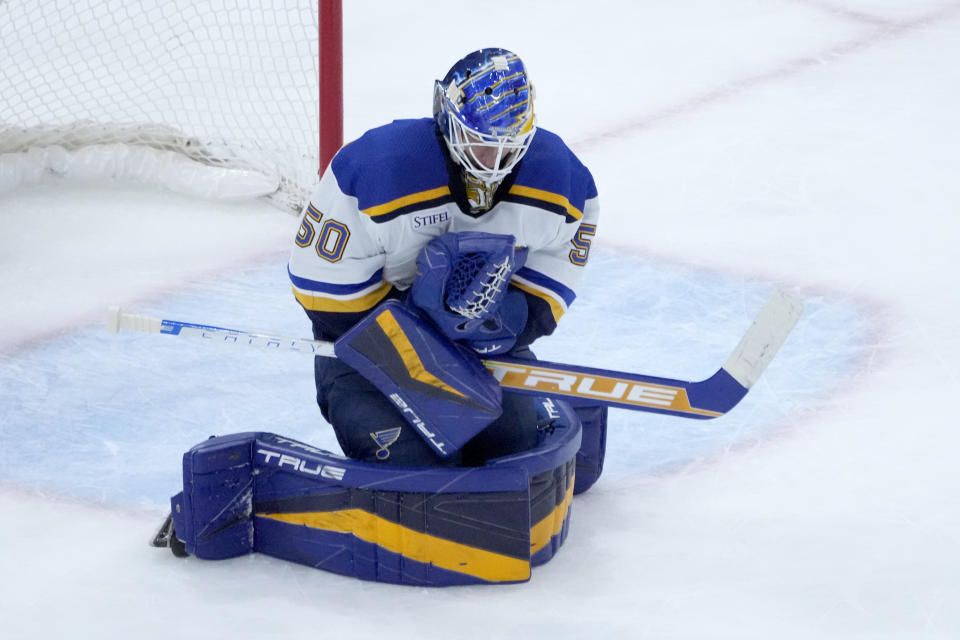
(885,32)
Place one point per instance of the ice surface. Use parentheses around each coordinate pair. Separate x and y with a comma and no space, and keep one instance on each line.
(737,146)
(136,402)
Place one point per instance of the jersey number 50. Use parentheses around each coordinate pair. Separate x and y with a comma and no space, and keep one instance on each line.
(331,241)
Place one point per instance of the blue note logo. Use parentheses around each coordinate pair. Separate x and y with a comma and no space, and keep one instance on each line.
(384,439)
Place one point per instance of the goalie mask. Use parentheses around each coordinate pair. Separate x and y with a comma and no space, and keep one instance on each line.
(484,108)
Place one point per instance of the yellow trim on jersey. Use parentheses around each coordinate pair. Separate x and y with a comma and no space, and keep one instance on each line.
(547,196)
(412,544)
(557,309)
(409,355)
(314,302)
(413,198)
(542,532)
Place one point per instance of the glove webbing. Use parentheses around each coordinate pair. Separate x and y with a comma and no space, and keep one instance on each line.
(476,286)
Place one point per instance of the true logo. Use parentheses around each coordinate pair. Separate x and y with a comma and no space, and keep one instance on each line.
(434,439)
(553,411)
(582,385)
(303,465)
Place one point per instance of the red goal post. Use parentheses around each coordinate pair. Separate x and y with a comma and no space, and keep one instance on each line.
(330,56)
(211,97)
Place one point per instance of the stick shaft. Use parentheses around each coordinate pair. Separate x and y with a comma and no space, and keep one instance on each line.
(117,320)
(708,398)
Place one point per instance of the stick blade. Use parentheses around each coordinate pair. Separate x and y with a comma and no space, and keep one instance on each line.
(760,344)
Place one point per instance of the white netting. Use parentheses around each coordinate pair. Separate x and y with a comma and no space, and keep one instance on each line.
(230,85)
(476,284)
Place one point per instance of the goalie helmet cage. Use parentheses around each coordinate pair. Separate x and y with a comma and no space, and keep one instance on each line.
(248,91)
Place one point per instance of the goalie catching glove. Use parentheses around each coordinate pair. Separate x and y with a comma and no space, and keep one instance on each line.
(463,286)
(425,368)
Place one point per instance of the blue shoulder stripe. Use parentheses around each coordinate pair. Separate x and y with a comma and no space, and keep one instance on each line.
(564,292)
(551,177)
(394,169)
(335,289)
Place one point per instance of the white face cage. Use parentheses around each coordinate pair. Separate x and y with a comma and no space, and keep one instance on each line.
(488,158)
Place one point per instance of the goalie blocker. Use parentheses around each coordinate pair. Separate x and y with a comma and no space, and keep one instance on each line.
(442,389)
(426,526)
(438,386)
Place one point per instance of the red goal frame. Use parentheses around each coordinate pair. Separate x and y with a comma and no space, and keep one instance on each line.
(330,55)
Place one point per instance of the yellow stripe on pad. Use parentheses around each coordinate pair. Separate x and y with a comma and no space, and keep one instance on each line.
(421,547)
(409,355)
(542,532)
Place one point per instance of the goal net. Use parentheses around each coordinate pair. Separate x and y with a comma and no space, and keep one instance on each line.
(217,98)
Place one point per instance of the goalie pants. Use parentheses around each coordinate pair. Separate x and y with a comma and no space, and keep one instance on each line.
(370,428)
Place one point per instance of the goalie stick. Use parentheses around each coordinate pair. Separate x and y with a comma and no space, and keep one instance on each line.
(705,399)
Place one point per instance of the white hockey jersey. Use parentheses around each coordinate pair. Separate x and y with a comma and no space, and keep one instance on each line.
(390,192)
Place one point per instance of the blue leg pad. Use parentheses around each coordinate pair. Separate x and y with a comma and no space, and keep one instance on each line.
(593,447)
(424,526)
(212,514)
